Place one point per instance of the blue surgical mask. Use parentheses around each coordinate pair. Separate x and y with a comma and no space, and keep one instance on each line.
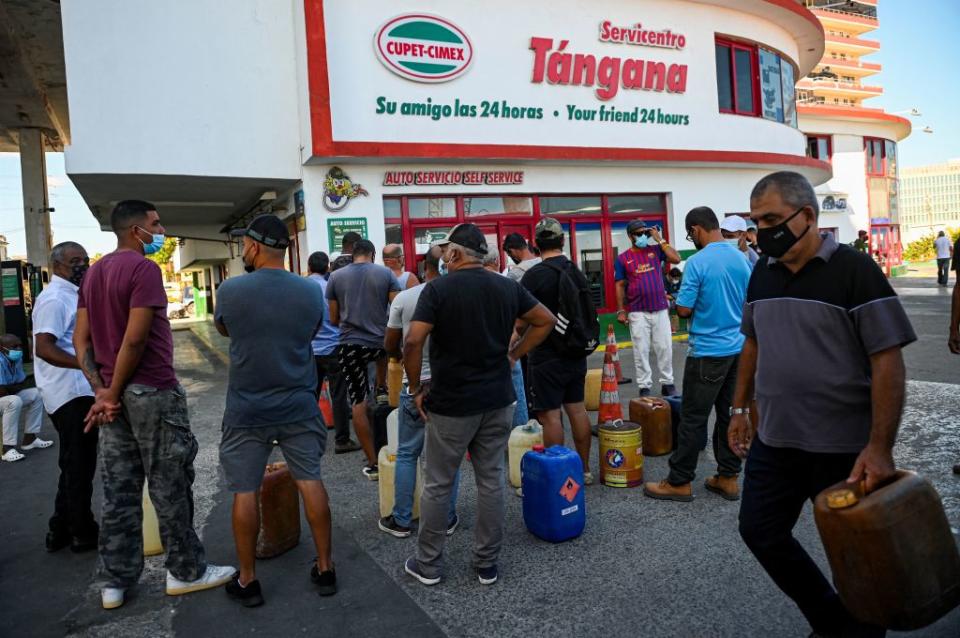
(733,242)
(155,245)
(642,241)
(443,268)
(15,355)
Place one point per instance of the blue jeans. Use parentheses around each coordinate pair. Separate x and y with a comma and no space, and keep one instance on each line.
(409,447)
(520,416)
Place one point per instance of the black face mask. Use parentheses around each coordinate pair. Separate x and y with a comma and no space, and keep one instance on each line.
(77,273)
(777,240)
(247,268)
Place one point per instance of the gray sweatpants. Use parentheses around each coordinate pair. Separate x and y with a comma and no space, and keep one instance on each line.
(150,439)
(448,438)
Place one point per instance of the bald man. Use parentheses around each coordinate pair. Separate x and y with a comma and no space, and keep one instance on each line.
(393,259)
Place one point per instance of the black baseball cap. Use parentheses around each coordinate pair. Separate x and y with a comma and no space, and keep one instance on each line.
(636,226)
(468,236)
(266,229)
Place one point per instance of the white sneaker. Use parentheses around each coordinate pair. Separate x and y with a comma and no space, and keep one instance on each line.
(37,444)
(215,576)
(112,597)
(588,478)
(13,454)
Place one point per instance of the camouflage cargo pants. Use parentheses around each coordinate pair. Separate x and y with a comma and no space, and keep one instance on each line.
(151,439)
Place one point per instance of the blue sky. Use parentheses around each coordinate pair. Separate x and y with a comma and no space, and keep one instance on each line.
(920,50)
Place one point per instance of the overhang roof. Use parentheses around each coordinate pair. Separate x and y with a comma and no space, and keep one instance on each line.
(33,85)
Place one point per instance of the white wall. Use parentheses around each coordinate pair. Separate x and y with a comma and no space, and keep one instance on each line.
(205,87)
(503,66)
(850,177)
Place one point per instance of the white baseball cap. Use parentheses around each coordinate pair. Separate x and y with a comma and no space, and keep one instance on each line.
(733,224)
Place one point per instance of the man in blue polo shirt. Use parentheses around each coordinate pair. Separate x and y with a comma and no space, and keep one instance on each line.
(713,291)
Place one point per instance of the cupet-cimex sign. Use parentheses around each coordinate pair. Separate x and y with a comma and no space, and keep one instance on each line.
(423,48)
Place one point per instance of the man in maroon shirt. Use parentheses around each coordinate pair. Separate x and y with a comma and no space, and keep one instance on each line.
(125,349)
(642,303)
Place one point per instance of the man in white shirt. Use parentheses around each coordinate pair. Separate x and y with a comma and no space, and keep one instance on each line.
(411,426)
(944,252)
(67,398)
(518,250)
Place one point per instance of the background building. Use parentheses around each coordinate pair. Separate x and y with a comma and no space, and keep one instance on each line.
(929,199)
(860,142)
(354,116)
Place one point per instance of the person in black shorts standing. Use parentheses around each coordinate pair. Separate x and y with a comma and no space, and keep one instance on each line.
(556,379)
(360,295)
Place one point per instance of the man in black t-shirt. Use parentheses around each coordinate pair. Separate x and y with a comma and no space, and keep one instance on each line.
(469,316)
(557,380)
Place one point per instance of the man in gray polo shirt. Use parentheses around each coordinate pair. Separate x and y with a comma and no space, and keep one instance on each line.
(824,332)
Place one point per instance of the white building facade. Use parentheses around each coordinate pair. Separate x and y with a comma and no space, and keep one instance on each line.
(400,123)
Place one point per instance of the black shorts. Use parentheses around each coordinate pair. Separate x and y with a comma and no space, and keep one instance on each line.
(354,360)
(556,382)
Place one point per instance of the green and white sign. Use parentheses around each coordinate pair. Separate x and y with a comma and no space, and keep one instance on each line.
(423,48)
(337,228)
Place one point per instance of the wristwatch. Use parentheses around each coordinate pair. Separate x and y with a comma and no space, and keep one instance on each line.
(739,411)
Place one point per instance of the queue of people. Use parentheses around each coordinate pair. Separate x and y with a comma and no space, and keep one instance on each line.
(771,294)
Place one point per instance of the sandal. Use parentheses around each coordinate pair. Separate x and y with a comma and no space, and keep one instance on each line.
(12,455)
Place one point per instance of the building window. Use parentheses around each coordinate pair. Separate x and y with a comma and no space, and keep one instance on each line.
(571,205)
(755,81)
(819,147)
(505,205)
(431,207)
(737,78)
(875,156)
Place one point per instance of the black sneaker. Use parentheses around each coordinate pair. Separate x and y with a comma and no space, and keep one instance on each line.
(249,596)
(389,525)
(56,541)
(487,575)
(372,472)
(668,390)
(644,392)
(453,525)
(326,582)
(412,568)
(382,396)
(347,447)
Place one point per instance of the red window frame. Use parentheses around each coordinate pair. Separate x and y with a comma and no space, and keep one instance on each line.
(754,77)
(829,141)
(869,156)
(512,222)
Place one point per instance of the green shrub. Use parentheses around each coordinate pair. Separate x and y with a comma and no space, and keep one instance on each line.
(922,249)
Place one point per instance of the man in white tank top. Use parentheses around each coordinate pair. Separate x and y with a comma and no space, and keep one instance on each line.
(393,259)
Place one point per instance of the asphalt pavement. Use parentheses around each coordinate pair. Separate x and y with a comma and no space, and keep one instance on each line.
(642,567)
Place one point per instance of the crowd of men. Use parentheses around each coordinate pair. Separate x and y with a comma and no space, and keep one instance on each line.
(768,294)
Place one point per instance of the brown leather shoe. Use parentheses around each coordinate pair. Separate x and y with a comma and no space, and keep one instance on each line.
(666,492)
(725,486)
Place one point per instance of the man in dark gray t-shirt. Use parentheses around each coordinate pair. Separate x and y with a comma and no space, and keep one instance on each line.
(270,316)
(359,296)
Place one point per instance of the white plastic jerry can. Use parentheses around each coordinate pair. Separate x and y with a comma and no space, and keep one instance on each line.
(522,440)
(152,545)
(386,483)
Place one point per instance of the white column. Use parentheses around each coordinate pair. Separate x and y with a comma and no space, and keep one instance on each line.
(36,213)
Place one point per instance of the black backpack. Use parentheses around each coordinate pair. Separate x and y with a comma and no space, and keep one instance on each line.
(577,333)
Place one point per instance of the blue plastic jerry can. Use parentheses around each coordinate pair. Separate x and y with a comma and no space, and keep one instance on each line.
(554,508)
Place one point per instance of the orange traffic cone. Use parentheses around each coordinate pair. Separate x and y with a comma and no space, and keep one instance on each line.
(612,348)
(326,409)
(610,408)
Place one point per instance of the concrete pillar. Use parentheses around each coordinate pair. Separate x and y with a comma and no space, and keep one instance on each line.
(36,213)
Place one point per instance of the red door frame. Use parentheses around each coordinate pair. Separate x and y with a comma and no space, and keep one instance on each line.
(507,223)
